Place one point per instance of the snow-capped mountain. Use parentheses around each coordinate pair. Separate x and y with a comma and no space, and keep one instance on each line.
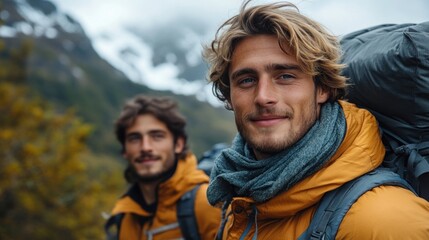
(165,59)
(34,18)
(161,58)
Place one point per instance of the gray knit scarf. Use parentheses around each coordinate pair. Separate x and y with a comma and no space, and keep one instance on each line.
(237,173)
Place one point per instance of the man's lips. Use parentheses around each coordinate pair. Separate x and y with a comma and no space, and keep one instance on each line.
(267,121)
(146,159)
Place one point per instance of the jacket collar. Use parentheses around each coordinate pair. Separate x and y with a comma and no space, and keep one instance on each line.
(360,152)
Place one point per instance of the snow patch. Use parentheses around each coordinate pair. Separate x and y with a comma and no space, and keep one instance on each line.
(7,32)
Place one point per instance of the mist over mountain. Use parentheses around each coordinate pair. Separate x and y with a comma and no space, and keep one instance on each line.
(162,58)
(158,43)
(71,70)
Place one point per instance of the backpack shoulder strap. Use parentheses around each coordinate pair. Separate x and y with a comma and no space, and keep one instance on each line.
(186,215)
(336,203)
(113,220)
(412,162)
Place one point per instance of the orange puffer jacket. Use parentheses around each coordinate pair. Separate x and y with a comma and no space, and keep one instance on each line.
(164,224)
(386,212)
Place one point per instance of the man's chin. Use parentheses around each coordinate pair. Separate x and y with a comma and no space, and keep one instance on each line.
(268,146)
(132,175)
(149,178)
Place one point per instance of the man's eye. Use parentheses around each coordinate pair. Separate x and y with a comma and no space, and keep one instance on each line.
(286,76)
(246,81)
(158,136)
(133,139)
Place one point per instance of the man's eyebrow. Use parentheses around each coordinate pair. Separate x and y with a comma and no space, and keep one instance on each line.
(154,131)
(157,131)
(276,66)
(243,71)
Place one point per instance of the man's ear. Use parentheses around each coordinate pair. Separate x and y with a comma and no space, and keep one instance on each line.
(179,145)
(322,95)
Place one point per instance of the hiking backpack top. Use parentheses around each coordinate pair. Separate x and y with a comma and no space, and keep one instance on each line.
(388,71)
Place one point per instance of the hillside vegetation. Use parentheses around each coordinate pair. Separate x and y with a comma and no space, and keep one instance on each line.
(60,167)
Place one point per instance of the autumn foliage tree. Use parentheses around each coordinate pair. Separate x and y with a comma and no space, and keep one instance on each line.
(48,188)
(51,185)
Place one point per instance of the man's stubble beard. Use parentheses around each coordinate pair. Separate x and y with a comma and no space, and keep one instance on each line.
(132,176)
(273,146)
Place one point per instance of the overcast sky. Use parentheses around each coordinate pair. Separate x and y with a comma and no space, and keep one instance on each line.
(339,16)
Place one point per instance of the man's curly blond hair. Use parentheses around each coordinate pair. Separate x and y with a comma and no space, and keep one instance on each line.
(316,50)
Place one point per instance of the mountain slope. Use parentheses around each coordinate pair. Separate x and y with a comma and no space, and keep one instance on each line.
(62,65)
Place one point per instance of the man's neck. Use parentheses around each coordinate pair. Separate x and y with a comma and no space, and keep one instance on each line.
(148,191)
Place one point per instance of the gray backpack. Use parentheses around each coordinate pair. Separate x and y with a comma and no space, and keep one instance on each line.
(388,69)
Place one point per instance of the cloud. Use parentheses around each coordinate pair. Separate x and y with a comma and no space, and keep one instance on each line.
(97,15)
(343,17)
(339,16)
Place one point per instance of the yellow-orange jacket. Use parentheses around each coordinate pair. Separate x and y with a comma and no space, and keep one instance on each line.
(386,212)
(186,177)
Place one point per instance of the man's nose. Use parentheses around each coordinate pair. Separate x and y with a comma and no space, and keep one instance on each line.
(265,91)
(146,144)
